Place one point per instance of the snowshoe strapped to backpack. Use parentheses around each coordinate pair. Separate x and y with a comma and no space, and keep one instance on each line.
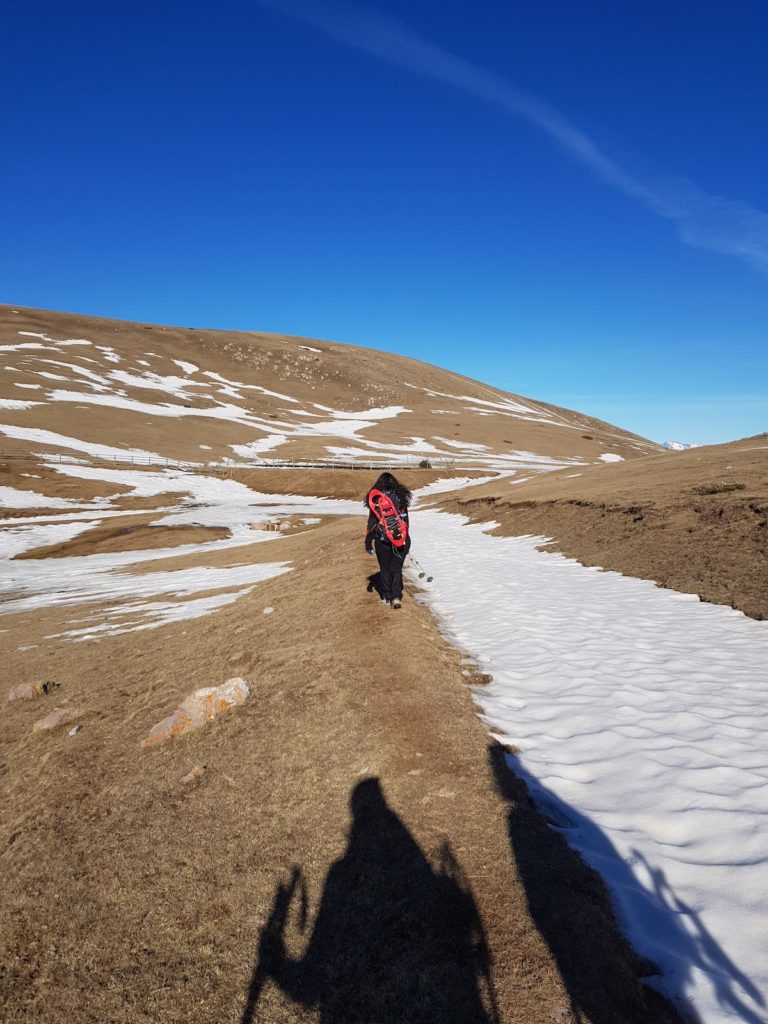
(392,523)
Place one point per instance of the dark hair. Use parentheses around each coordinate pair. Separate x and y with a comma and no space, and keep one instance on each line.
(388,482)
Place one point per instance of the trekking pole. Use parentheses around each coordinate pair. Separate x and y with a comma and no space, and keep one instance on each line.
(420,571)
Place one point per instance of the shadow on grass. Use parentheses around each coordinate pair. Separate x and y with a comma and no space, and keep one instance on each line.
(573,912)
(375,584)
(395,938)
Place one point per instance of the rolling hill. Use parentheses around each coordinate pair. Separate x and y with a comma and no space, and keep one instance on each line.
(93,388)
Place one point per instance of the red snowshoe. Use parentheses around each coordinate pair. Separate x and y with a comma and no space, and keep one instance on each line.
(394,526)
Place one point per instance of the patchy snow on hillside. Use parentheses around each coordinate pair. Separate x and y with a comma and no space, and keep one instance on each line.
(640,715)
(13,497)
(203,490)
(610,457)
(107,579)
(48,437)
(185,366)
(463,446)
(255,448)
(17,403)
(445,485)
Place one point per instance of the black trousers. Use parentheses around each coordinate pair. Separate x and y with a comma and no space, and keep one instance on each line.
(391,566)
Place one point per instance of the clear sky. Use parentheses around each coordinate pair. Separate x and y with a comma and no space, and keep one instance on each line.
(565,199)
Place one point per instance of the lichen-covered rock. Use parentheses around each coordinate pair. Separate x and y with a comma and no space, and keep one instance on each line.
(200,707)
(57,717)
(28,691)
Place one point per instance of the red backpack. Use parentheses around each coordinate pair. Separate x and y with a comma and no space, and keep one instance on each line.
(394,526)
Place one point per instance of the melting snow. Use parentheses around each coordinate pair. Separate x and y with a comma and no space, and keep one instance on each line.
(186,367)
(238,385)
(74,580)
(446,484)
(12,497)
(463,445)
(54,341)
(641,717)
(264,444)
(38,436)
(109,354)
(17,403)
(610,457)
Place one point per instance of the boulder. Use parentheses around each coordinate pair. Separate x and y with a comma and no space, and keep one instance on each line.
(200,707)
(57,717)
(28,691)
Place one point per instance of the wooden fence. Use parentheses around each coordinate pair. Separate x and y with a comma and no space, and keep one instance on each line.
(228,466)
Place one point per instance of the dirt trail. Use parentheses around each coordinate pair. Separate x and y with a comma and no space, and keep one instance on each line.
(357,776)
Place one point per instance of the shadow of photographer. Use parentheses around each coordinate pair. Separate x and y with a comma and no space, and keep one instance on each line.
(394,938)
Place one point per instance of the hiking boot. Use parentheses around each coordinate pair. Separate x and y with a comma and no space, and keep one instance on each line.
(396,604)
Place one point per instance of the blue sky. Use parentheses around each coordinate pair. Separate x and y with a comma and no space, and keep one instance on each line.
(567,200)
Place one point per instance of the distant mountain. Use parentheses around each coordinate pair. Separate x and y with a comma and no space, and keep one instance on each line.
(678,446)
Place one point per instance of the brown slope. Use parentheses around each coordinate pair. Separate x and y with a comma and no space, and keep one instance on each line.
(694,521)
(445,414)
(129,897)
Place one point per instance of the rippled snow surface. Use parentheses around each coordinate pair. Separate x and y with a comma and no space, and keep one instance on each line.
(641,716)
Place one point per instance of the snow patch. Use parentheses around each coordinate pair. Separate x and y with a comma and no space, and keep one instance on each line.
(186,367)
(38,436)
(641,716)
(17,403)
(12,497)
(54,341)
(263,444)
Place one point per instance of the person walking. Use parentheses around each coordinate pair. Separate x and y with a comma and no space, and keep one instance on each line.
(390,557)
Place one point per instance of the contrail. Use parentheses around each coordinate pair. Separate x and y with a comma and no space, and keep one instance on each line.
(705,221)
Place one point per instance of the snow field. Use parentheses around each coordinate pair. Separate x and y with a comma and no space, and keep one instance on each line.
(641,716)
(108,579)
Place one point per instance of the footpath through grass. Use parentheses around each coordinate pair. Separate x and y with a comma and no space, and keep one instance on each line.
(347,855)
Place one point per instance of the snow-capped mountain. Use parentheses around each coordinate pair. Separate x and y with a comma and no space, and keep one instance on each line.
(678,446)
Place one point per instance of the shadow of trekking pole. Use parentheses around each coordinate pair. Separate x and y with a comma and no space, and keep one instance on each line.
(271,945)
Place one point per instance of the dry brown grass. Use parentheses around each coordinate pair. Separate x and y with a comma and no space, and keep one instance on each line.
(336,483)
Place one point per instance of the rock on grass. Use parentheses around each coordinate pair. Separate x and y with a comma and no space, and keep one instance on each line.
(200,707)
(28,691)
(57,717)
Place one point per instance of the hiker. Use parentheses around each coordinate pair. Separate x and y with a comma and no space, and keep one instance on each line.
(390,556)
